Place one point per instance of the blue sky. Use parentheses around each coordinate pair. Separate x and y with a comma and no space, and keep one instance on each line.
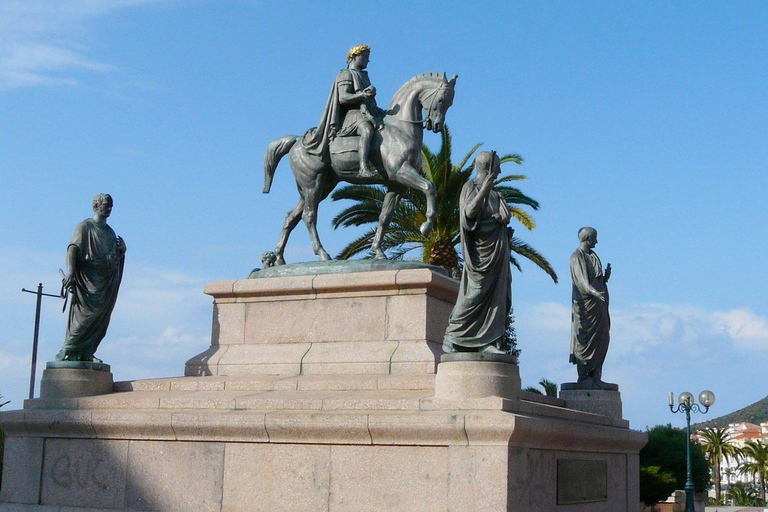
(644,120)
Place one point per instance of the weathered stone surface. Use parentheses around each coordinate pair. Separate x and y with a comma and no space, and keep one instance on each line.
(288,325)
(276,478)
(22,458)
(349,358)
(84,473)
(595,401)
(175,476)
(363,478)
(340,427)
(73,382)
(477,379)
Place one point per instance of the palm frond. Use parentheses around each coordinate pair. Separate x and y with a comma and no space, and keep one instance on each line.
(511,177)
(360,244)
(512,157)
(525,250)
(525,219)
(468,156)
(513,195)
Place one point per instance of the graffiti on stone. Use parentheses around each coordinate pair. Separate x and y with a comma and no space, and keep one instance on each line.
(80,472)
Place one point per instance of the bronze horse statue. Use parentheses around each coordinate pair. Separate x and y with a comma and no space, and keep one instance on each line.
(396,155)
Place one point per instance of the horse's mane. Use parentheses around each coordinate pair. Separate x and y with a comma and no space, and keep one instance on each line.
(417,78)
(430,77)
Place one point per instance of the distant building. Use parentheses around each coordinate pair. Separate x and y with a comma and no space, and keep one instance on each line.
(740,433)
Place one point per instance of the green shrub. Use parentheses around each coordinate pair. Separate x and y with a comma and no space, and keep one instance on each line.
(663,464)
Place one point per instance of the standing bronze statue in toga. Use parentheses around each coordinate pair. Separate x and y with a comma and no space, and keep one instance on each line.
(590,320)
(95,258)
(478,320)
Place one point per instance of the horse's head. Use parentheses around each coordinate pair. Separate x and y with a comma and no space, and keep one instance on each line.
(436,103)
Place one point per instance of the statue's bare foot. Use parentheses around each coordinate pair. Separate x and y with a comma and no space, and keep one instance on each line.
(426,227)
(491,349)
(366,172)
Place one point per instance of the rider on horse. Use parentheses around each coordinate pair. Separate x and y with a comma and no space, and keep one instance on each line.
(351,110)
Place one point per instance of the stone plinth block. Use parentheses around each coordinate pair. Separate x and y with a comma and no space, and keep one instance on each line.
(596,401)
(477,379)
(388,320)
(74,382)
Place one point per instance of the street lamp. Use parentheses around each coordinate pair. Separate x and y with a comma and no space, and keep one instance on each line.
(685,404)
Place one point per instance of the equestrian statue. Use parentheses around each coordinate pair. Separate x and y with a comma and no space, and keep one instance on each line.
(357,142)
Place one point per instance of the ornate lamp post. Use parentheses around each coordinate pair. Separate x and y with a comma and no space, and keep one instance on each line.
(686,405)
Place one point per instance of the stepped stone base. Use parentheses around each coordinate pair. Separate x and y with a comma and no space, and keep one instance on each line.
(360,441)
(307,443)
(381,322)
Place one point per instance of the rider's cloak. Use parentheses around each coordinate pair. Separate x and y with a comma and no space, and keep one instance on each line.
(332,122)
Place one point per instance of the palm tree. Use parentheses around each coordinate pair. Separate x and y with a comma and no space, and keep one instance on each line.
(729,473)
(550,388)
(742,496)
(717,447)
(439,248)
(756,462)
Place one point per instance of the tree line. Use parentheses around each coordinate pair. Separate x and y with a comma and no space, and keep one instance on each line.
(663,466)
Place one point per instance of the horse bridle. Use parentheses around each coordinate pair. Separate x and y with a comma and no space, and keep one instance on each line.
(433,95)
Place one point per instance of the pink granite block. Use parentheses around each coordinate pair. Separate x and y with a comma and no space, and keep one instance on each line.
(276,478)
(320,427)
(84,473)
(175,476)
(363,479)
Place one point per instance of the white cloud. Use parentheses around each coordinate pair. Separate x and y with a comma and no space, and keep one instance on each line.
(744,327)
(40,39)
(645,327)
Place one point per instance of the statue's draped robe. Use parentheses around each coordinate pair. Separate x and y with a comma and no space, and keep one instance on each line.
(97,277)
(590,321)
(342,120)
(485,298)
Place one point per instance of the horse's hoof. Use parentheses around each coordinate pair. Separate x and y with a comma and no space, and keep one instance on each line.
(378,254)
(425,228)
(280,261)
(324,256)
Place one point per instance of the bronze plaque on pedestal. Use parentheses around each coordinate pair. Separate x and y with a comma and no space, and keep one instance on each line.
(581,481)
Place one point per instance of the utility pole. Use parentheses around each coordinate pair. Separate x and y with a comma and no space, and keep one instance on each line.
(40,295)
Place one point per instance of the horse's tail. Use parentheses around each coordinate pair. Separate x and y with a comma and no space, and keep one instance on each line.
(276,150)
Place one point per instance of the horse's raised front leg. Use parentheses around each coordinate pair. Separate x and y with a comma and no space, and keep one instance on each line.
(291,219)
(387,210)
(410,177)
(312,200)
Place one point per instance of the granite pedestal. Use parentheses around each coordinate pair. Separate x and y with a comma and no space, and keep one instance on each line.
(606,401)
(269,430)
(69,379)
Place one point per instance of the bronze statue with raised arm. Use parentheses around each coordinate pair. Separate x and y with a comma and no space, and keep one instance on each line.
(478,320)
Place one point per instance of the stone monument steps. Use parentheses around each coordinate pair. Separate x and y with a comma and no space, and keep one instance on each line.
(308,395)
(281,382)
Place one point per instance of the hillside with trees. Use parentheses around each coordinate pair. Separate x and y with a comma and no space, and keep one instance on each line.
(756,413)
